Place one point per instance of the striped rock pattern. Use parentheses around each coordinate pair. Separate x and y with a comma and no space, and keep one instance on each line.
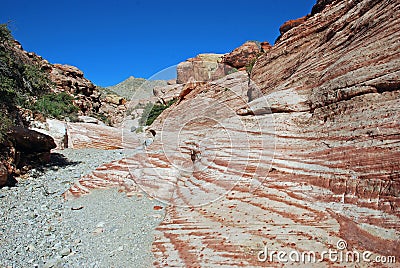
(312,164)
(87,135)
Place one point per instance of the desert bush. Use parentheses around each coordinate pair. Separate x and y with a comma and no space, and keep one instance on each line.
(5,33)
(5,125)
(152,111)
(36,80)
(250,65)
(139,129)
(233,70)
(56,105)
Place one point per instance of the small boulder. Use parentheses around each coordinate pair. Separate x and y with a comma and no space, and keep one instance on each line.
(115,99)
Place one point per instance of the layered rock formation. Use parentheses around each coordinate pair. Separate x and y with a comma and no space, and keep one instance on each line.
(311,163)
(344,76)
(82,135)
(204,67)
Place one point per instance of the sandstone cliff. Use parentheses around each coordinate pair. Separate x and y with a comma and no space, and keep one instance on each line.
(311,159)
(203,67)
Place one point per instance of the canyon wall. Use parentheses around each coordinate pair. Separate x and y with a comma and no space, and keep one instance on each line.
(304,155)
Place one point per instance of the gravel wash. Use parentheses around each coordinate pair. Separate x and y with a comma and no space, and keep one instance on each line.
(38,228)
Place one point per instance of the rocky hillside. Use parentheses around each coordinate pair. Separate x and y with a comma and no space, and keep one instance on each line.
(137,88)
(34,91)
(304,156)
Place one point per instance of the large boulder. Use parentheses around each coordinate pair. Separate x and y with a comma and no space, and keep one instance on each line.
(243,55)
(31,141)
(115,99)
(265,46)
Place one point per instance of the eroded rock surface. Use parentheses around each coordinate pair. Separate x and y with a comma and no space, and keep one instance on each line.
(317,164)
(85,135)
(204,67)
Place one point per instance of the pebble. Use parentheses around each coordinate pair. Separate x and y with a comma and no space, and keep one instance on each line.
(65,252)
(39,228)
(30,247)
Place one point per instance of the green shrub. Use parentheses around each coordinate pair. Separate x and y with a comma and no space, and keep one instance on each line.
(36,79)
(139,129)
(233,70)
(5,33)
(103,118)
(152,111)
(250,65)
(7,87)
(57,105)
(5,125)
(19,82)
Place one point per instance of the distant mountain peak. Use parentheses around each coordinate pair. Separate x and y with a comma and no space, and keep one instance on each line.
(136,87)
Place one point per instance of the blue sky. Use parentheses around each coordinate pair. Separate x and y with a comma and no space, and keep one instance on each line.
(112,40)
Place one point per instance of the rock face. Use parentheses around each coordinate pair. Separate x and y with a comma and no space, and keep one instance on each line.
(310,164)
(70,79)
(243,55)
(87,96)
(204,67)
(320,5)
